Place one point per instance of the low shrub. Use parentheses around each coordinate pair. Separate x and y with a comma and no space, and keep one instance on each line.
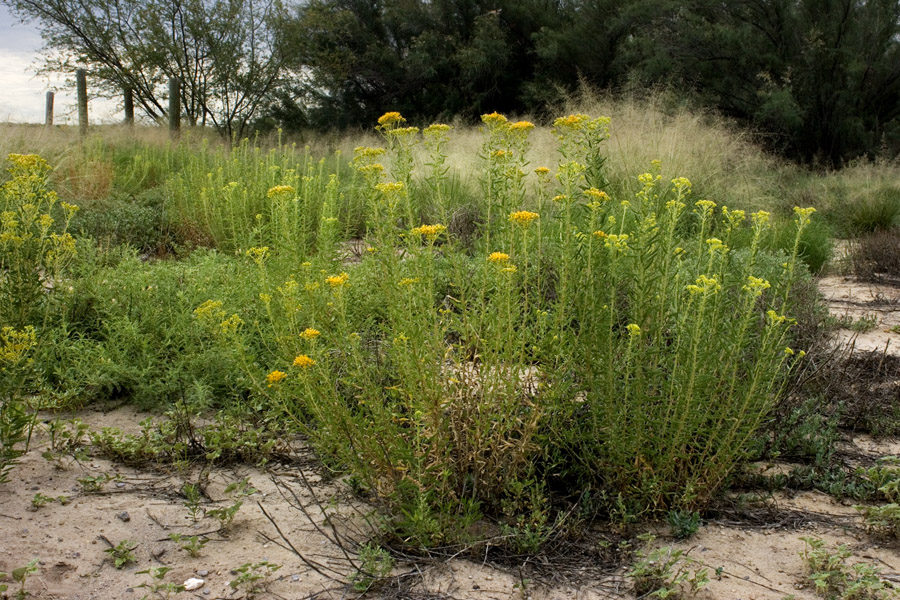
(875,257)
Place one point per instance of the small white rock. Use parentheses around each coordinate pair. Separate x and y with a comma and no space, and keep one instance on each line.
(193,584)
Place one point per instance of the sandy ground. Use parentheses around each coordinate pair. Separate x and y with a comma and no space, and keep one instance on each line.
(746,559)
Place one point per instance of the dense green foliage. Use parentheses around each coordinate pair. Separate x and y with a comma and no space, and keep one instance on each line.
(821,78)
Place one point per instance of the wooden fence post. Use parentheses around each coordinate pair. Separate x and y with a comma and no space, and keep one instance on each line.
(174,107)
(81,85)
(129,106)
(48,111)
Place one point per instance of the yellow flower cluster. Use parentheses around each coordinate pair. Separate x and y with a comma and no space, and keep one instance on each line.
(15,344)
(303,361)
(756,285)
(705,205)
(337,281)
(436,129)
(498,257)
(704,285)
(760,218)
(596,194)
(209,310)
(28,162)
(390,120)
(391,187)
(279,190)
(310,334)
(617,242)
(365,152)
(523,126)
(275,377)
(542,171)
(716,245)
(682,184)
(523,217)
(634,330)
(408,281)
(431,231)
(494,119)
(258,254)
(803,215)
(231,324)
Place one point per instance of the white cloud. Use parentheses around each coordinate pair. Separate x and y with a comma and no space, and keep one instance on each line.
(22,95)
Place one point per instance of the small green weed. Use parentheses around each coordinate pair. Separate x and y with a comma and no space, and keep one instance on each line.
(236,492)
(666,572)
(95,483)
(684,524)
(156,586)
(193,545)
(67,439)
(253,578)
(122,554)
(20,576)
(375,563)
(191,493)
(835,579)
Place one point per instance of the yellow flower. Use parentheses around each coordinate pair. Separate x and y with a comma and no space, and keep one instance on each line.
(498,257)
(231,324)
(756,285)
(523,217)
(209,309)
(508,269)
(392,187)
(634,329)
(337,281)
(436,129)
(705,205)
(715,244)
(408,281)
(600,234)
(760,218)
(389,120)
(617,242)
(431,231)
(16,344)
(682,184)
(258,254)
(542,171)
(303,361)
(275,377)
(310,334)
(494,119)
(69,208)
(560,198)
(45,221)
(279,190)
(803,214)
(704,285)
(361,152)
(522,126)
(788,351)
(596,194)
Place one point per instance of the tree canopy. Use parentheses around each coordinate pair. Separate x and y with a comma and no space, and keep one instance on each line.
(820,77)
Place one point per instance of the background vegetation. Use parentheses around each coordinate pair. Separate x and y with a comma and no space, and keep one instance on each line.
(820,79)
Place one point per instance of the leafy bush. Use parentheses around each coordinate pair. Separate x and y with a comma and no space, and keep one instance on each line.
(629,347)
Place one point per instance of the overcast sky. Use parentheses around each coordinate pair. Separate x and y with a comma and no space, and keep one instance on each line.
(22,94)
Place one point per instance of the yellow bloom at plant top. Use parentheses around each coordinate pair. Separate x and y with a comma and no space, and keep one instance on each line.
(633,329)
(436,129)
(596,194)
(310,334)
(498,257)
(279,190)
(337,281)
(390,119)
(494,119)
(275,376)
(258,254)
(522,126)
(803,214)
(430,230)
(523,217)
(542,171)
(303,361)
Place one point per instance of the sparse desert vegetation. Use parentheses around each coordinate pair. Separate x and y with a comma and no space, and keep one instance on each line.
(589,341)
